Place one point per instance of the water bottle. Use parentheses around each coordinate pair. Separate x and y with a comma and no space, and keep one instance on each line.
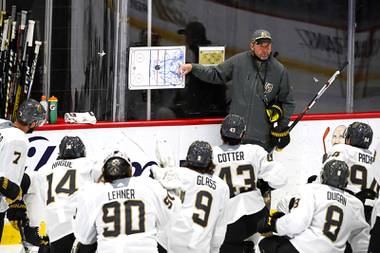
(45,105)
(53,104)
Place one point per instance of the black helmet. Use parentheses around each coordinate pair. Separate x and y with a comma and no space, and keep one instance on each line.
(359,134)
(335,173)
(233,127)
(71,147)
(31,111)
(199,154)
(116,166)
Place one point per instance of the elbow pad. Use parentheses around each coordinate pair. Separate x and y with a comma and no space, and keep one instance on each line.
(25,184)
(263,186)
(9,189)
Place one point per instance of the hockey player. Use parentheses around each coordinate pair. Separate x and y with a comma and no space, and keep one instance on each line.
(374,245)
(200,225)
(360,160)
(241,165)
(323,218)
(122,213)
(13,151)
(58,181)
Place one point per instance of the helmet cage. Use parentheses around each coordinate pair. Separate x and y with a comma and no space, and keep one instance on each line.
(116,166)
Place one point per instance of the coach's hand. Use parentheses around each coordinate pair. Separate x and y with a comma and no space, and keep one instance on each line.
(184,69)
(274,113)
(280,137)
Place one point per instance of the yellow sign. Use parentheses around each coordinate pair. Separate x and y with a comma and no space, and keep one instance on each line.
(211,55)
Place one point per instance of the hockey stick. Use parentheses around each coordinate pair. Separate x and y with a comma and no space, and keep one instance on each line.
(324,143)
(2,15)
(317,96)
(37,44)
(11,57)
(23,239)
(313,101)
(21,42)
(3,63)
(27,55)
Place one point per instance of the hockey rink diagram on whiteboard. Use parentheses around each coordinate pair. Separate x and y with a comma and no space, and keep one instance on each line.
(156,67)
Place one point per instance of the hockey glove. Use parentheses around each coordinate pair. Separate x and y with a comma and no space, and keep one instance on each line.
(9,190)
(17,212)
(268,224)
(274,113)
(280,137)
(311,179)
(34,237)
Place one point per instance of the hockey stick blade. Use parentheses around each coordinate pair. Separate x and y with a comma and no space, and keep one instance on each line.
(324,139)
(324,157)
(343,66)
(22,235)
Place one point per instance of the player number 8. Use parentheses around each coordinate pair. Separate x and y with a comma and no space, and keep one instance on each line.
(334,219)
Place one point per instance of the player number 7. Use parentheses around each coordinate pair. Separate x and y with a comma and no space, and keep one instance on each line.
(18,156)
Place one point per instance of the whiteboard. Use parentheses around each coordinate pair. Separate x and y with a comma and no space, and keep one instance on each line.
(156,67)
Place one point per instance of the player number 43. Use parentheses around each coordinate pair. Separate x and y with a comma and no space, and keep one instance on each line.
(249,180)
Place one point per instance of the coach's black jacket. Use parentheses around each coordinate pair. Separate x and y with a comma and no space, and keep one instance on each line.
(246,89)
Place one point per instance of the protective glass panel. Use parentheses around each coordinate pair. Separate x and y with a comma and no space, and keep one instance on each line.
(367,57)
(91,41)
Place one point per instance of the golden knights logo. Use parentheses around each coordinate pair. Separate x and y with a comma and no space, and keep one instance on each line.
(264,34)
(268,87)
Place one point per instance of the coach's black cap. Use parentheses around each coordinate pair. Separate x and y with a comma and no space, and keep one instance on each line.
(261,36)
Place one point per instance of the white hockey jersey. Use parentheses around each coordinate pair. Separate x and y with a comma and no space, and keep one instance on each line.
(323,219)
(240,166)
(57,184)
(200,226)
(376,209)
(123,216)
(375,212)
(361,165)
(13,150)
